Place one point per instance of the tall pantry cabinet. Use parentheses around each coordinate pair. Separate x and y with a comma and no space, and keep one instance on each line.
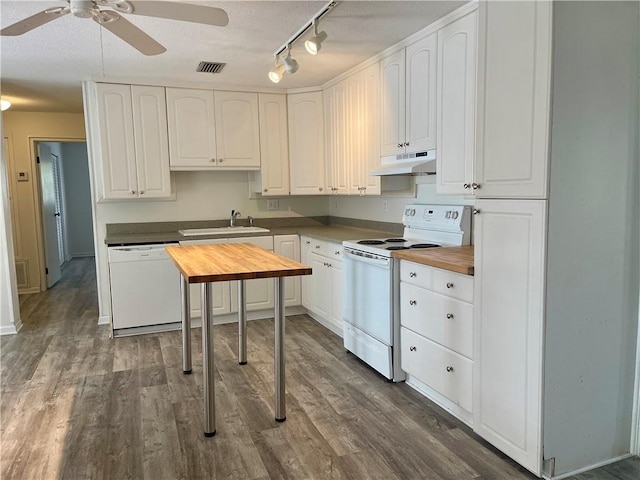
(555,298)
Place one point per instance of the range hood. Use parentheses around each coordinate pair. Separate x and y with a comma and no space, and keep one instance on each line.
(407,164)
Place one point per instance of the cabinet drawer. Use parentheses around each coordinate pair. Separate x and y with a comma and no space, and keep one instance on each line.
(416,274)
(441,369)
(444,320)
(327,249)
(453,285)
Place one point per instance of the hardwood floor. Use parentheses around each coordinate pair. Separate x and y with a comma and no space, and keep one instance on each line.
(79,405)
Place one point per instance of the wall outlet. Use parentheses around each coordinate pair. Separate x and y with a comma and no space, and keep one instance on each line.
(385,206)
(272,204)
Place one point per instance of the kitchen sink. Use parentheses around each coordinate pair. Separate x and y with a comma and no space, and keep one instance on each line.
(221,231)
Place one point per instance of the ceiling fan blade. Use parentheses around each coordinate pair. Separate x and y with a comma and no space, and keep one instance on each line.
(34,21)
(180,11)
(131,34)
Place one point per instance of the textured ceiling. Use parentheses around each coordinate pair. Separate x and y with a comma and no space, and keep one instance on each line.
(42,69)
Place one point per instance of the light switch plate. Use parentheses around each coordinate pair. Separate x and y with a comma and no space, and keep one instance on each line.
(23,176)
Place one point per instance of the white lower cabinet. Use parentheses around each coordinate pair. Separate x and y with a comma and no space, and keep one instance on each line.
(322,291)
(289,246)
(436,335)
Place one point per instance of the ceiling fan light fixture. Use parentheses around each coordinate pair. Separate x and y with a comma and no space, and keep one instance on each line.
(82,8)
(277,73)
(5,105)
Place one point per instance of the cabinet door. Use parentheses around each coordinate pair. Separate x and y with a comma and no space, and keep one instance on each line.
(355,138)
(336,293)
(370,118)
(237,130)
(321,282)
(117,141)
(392,98)
(259,292)
(151,141)
(456,105)
(330,153)
(192,139)
(306,143)
(514,102)
(274,144)
(342,158)
(289,246)
(510,253)
(421,63)
(306,281)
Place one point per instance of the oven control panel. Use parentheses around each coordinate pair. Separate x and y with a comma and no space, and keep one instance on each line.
(446,217)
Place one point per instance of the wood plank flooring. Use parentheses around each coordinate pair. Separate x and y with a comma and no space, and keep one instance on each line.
(79,405)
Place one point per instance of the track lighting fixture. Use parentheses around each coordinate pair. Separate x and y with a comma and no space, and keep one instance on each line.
(314,43)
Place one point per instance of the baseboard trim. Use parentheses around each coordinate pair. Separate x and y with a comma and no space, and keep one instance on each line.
(11,329)
(28,291)
(82,254)
(104,320)
(326,324)
(590,467)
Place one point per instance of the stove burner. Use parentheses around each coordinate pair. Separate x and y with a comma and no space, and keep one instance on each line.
(395,240)
(397,248)
(424,245)
(370,242)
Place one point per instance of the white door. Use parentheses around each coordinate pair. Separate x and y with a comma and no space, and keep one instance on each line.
(49,181)
(392,108)
(191,126)
(456,100)
(274,144)
(237,129)
(510,239)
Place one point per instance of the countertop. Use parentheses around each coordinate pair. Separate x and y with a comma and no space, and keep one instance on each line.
(455,259)
(241,261)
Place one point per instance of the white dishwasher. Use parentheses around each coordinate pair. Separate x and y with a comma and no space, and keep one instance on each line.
(145,288)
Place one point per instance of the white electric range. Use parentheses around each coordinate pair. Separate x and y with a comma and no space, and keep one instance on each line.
(371,317)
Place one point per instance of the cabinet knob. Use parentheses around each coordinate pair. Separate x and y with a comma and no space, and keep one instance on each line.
(308,242)
(412,302)
(449,316)
(449,285)
(213,160)
(337,252)
(399,145)
(266,190)
(141,192)
(220,160)
(476,211)
(412,348)
(412,274)
(406,144)
(133,192)
(475,186)
(319,189)
(467,186)
(449,368)
(317,247)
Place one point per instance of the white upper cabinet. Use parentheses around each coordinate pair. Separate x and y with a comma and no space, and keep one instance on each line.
(133,142)
(274,144)
(392,107)
(237,129)
(370,124)
(213,130)
(408,93)
(420,111)
(337,138)
(306,143)
(191,124)
(512,149)
(456,92)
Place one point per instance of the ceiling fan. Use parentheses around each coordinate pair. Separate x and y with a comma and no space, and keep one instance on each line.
(118,25)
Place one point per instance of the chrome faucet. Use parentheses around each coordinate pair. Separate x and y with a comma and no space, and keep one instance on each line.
(232,220)
(250,218)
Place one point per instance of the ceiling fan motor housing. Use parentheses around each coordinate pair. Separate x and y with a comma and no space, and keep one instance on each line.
(82,8)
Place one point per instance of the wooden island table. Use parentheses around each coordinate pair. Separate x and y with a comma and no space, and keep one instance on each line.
(206,264)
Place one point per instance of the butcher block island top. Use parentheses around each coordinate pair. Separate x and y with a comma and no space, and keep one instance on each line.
(238,261)
(455,259)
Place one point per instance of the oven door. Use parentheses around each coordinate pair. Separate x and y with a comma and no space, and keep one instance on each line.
(368,294)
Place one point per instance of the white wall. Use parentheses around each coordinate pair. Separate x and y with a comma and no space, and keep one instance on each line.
(200,196)
(77,199)
(594,210)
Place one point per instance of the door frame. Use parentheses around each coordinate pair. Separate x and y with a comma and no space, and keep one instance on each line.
(37,197)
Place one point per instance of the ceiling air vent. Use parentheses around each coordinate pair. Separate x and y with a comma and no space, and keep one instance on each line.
(210,67)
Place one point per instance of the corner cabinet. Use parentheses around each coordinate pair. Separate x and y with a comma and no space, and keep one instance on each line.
(456,95)
(213,130)
(306,143)
(133,144)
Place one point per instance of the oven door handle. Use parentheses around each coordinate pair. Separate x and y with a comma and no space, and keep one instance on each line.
(371,259)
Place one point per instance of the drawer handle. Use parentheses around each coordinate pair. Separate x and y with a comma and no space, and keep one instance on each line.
(449,285)
(412,274)
(412,302)
(337,252)
(307,242)
(449,316)
(317,247)
(412,348)
(449,368)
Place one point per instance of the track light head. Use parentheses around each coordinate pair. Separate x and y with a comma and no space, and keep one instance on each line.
(276,74)
(290,64)
(5,104)
(314,44)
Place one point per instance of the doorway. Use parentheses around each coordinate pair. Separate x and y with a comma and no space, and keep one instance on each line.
(65,205)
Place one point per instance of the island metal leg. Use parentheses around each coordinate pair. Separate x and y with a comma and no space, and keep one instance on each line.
(208,372)
(186,326)
(281,414)
(242,323)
